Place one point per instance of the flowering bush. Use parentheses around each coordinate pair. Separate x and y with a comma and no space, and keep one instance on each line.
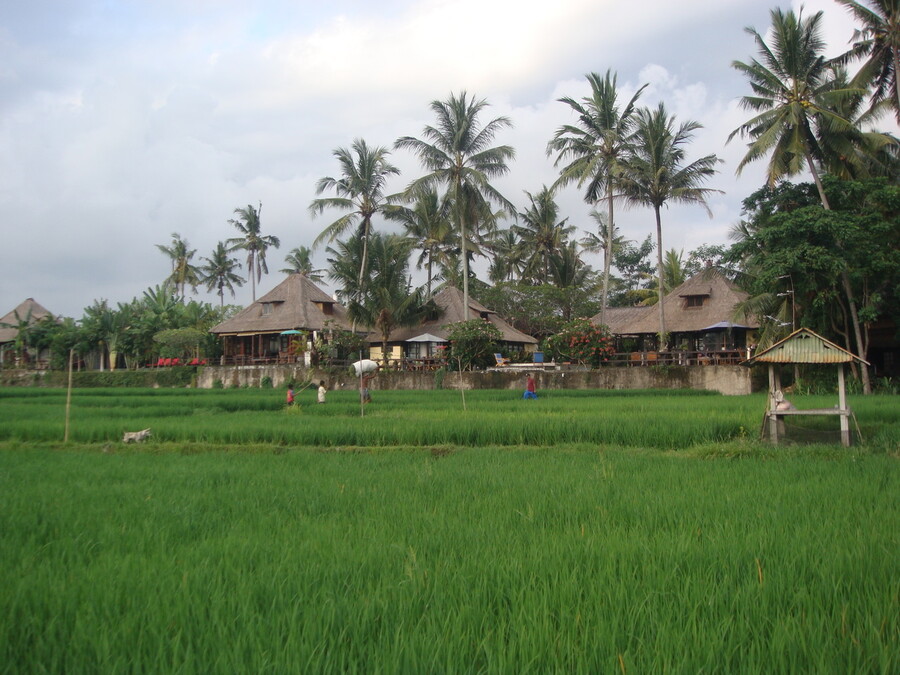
(473,343)
(581,341)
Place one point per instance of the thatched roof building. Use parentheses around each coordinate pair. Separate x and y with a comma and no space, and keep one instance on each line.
(296,304)
(450,303)
(700,314)
(421,340)
(29,310)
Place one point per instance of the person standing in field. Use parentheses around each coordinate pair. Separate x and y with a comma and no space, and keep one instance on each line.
(364,394)
(322,391)
(529,387)
(290,395)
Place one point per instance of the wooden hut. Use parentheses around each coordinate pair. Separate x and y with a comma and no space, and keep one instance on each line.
(803,346)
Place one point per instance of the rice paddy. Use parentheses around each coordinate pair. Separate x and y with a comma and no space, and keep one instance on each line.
(584,532)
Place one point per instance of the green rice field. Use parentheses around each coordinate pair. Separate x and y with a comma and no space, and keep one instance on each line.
(586,532)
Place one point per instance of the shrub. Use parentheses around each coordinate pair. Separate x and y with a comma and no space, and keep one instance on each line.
(582,342)
(473,343)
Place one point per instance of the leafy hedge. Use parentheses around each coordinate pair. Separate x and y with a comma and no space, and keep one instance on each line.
(162,377)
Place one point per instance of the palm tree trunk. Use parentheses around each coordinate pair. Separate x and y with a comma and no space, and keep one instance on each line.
(607,250)
(895,52)
(848,290)
(465,264)
(659,274)
(251,270)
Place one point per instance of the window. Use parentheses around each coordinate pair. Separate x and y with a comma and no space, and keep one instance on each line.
(694,301)
(267,308)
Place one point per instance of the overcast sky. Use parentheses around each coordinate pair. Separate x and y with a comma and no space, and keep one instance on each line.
(122,122)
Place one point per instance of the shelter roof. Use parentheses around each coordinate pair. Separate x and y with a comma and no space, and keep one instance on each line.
(718,299)
(296,303)
(449,301)
(26,308)
(804,346)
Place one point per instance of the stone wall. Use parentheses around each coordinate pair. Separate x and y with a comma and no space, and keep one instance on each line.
(729,380)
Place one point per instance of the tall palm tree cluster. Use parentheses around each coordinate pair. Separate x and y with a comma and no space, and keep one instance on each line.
(453,212)
(809,114)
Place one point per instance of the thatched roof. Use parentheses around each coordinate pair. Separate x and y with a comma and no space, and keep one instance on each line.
(715,296)
(616,317)
(450,301)
(804,346)
(294,304)
(38,312)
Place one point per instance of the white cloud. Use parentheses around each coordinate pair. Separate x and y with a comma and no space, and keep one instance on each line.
(124,123)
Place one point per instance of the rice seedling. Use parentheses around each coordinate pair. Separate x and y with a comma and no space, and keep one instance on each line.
(547,559)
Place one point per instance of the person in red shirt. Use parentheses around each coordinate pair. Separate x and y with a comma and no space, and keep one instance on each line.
(530,387)
(290,395)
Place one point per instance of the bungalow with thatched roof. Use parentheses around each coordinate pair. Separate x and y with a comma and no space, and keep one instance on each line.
(27,313)
(701,317)
(426,340)
(281,324)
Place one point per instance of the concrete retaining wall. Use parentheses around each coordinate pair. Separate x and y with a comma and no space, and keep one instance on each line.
(729,380)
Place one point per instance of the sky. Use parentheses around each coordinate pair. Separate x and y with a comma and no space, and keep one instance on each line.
(122,122)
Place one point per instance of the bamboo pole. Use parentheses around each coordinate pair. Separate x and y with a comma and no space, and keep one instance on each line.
(69,396)
(462,390)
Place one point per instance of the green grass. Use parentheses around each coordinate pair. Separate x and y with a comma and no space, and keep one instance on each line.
(662,420)
(634,552)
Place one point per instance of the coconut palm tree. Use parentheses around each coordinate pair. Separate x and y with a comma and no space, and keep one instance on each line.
(541,234)
(656,173)
(457,153)
(794,94)
(299,261)
(507,255)
(387,301)
(856,152)
(219,272)
(796,97)
(183,272)
(595,148)
(253,241)
(360,191)
(878,43)
(597,243)
(428,223)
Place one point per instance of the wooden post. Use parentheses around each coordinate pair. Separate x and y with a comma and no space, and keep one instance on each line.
(842,405)
(774,385)
(69,396)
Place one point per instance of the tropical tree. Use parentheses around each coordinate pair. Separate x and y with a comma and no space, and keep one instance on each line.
(219,272)
(878,44)
(796,96)
(427,222)
(541,234)
(793,93)
(360,191)
(183,272)
(387,301)
(457,153)
(299,261)
(253,241)
(594,149)
(598,243)
(507,255)
(635,267)
(657,173)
